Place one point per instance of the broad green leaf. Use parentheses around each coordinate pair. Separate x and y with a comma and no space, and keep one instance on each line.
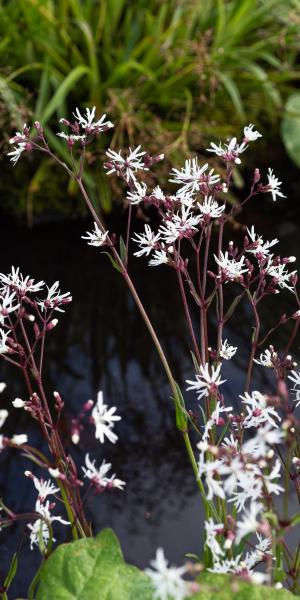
(224,587)
(290,128)
(92,569)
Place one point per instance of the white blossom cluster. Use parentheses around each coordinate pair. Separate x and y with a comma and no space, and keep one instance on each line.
(20,296)
(41,528)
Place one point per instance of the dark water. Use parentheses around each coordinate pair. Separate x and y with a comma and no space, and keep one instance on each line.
(101,343)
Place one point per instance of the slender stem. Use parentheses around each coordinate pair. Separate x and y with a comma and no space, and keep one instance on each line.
(188,315)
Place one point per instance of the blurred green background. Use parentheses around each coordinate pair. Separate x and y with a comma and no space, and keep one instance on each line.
(171,74)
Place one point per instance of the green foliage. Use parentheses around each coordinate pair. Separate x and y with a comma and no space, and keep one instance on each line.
(94,569)
(170,74)
(290,127)
(223,587)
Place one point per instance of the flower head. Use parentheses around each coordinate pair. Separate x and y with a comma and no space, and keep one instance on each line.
(104,420)
(167,581)
(97,237)
(273,186)
(251,135)
(207,381)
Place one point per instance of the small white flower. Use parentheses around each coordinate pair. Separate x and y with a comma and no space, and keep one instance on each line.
(295,378)
(227,351)
(258,247)
(265,437)
(86,121)
(231,269)
(17,281)
(44,488)
(2,387)
(40,529)
(71,138)
(206,383)
(273,185)
(97,237)
(16,152)
(167,581)
(98,476)
(250,523)
(212,530)
(127,165)
(251,134)
(147,241)
(193,177)
(7,305)
(258,410)
(230,152)
(179,225)
(210,208)
(159,257)
(138,194)
(280,275)
(104,420)
(266,359)
(55,299)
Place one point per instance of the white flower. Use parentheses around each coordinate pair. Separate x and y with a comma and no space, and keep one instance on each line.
(2,387)
(147,241)
(295,377)
(272,487)
(86,121)
(71,138)
(231,269)
(193,177)
(98,476)
(265,437)
(210,208)
(227,566)
(266,359)
(54,298)
(230,152)
(127,165)
(18,282)
(40,528)
(3,339)
(167,581)
(250,523)
(206,383)
(179,225)
(212,530)
(214,420)
(138,194)
(280,275)
(251,134)
(260,248)
(273,185)
(16,152)
(44,488)
(227,351)
(211,471)
(97,237)
(159,257)
(104,420)
(7,305)
(262,548)
(258,410)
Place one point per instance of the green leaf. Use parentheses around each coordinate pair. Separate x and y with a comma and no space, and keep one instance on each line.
(92,569)
(12,571)
(225,587)
(180,410)
(290,128)
(123,251)
(62,92)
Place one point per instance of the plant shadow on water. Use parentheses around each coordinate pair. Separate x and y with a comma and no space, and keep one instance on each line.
(101,343)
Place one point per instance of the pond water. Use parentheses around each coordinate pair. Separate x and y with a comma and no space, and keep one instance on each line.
(101,343)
